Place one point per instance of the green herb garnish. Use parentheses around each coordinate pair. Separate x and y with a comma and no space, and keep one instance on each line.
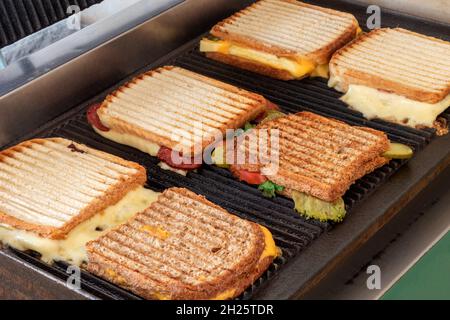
(269,189)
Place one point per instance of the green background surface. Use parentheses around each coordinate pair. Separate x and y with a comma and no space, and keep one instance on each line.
(429,278)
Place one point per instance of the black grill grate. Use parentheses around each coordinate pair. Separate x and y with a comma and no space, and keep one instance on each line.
(20,18)
(292,233)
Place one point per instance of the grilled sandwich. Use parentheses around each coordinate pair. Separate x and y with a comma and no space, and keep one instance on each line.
(316,160)
(395,75)
(183,247)
(173,110)
(56,194)
(283,39)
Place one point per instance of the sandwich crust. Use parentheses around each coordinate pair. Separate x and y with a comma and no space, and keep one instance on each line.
(181,265)
(114,193)
(359,63)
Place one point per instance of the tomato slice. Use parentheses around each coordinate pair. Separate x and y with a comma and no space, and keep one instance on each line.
(94,119)
(272,106)
(269,106)
(165,155)
(251,177)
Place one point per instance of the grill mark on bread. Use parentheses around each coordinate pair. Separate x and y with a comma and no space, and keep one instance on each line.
(182,266)
(235,100)
(176,271)
(292,162)
(196,235)
(401,74)
(172,113)
(182,134)
(418,66)
(199,109)
(427,66)
(192,267)
(94,184)
(215,101)
(223,88)
(48,189)
(167,248)
(321,156)
(172,98)
(294,16)
(254,23)
(26,174)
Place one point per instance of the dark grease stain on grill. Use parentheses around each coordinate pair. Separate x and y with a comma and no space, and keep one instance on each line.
(292,233)
(74,148)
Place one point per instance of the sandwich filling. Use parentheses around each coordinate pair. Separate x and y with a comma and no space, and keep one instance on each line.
(373,103)
(140,144)
(298,68)
(130,140)
(72,248)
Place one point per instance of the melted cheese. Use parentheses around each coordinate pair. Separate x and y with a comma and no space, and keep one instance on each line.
(160,296)
(130,140)
(227,294)
(165,166)
(72,249)
(321,71)
(297,68)
(359,31)
(114,276)
(374,103)
(270,250)
(140,144)
(156,232)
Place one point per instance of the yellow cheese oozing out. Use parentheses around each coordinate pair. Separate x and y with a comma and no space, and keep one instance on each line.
(226,295)
(72,249)
(165,166)
(130,140)
(140,144)
(156,232)
(322,71)
(270,250)
(373,103)
(359,31)
(298,68)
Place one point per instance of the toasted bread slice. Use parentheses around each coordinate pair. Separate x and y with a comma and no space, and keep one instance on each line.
(285,29)
(49,186)
(397,61)
(178,109)
(318,156)
(183,247)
